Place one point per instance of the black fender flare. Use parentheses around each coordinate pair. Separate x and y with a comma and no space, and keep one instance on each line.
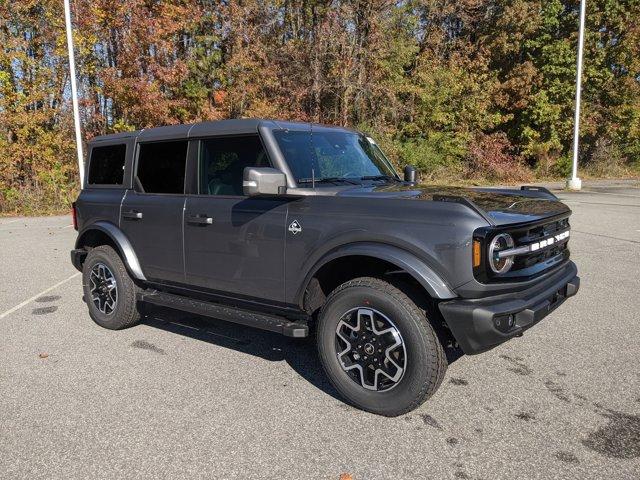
(120,240)
(404,260)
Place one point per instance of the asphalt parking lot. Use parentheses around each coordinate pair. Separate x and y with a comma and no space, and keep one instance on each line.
(186,397)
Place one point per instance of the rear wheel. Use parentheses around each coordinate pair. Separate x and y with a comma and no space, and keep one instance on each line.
(109,291)
(378,348)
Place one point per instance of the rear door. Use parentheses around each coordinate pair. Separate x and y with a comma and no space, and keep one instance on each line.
(151,214)
(234,244)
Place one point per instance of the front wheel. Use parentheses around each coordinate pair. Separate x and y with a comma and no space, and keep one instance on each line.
(378,348)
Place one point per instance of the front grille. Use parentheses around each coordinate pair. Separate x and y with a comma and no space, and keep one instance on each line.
(526,261)
(539,232)
(537,248)
(532,263)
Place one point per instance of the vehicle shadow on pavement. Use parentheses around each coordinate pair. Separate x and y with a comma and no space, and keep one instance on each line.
(299,353)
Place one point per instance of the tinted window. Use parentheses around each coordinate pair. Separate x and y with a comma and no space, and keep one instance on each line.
(223,160)
(107,165)
(331,154)
(161,167)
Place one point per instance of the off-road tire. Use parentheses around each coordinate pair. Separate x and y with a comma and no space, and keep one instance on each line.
(426,361)
(125,313)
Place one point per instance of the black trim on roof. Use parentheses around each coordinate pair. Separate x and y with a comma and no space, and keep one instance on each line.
(238,126)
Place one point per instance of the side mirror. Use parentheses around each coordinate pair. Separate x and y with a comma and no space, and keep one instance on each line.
(409,174)
(263,181)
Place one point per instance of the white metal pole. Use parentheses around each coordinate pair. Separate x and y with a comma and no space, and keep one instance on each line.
(74,90)
(574,183)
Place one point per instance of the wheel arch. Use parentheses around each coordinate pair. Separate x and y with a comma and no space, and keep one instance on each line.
(106,233)
(380,254)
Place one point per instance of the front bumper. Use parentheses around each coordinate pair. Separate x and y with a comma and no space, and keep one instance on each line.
(481,324)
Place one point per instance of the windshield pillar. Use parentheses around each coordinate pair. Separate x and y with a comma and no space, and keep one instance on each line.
(275,154)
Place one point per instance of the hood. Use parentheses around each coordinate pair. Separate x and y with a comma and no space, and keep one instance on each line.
(499,206)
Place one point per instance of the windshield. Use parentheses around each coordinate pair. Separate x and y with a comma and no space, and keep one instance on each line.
(332,155)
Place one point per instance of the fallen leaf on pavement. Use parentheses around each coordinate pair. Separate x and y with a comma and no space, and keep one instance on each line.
(43,355)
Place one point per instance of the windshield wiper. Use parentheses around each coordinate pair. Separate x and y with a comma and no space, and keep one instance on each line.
(380,177)
(328,180)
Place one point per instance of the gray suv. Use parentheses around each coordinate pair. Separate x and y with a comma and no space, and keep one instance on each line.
(299,229)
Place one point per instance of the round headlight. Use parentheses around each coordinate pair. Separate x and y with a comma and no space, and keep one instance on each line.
(500,242)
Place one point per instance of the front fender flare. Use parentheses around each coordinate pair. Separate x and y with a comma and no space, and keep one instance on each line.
(122,242)
(418,269)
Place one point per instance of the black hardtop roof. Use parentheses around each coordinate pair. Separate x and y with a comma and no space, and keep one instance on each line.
(219,127)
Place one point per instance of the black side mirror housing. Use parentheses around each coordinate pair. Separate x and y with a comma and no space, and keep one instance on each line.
(410,174)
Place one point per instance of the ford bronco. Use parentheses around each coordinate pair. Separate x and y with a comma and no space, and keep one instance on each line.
(299,229)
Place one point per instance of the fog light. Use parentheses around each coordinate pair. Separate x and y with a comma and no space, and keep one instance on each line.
(504,323)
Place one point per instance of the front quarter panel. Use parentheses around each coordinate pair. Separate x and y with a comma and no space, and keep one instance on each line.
(438,234)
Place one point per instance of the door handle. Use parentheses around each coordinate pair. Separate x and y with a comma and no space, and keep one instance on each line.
(132,214)
(200,220)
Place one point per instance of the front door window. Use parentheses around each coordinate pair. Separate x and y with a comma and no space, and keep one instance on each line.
(223,160)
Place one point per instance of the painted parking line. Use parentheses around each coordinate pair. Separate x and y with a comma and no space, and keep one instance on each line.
(31,299)
(10,221)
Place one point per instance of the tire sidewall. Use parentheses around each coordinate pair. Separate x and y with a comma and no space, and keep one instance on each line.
(113,262)
(414,334)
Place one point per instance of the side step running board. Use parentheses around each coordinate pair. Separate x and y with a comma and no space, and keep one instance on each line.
(263,321)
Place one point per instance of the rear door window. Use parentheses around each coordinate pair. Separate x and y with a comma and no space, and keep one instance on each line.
(106,166)
(161,167)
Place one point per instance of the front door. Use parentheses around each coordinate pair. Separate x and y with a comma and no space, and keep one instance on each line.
(234,244)
(151,215)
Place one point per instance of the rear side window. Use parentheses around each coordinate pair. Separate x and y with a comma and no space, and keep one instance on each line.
(106,166)
(161,167)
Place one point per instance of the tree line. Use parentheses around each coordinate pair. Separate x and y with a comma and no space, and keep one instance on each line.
(462,89)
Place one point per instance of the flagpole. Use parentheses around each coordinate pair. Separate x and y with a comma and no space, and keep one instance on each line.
(574,183)
(74,90)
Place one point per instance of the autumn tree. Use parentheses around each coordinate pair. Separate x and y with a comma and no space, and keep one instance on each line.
(476,89)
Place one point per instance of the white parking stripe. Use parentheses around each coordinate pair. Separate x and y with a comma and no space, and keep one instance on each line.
(10,221)
(29,300)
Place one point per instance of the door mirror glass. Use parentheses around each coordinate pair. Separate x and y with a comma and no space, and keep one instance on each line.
(263,181)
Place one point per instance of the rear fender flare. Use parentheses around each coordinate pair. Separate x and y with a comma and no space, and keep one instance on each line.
(121,241)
